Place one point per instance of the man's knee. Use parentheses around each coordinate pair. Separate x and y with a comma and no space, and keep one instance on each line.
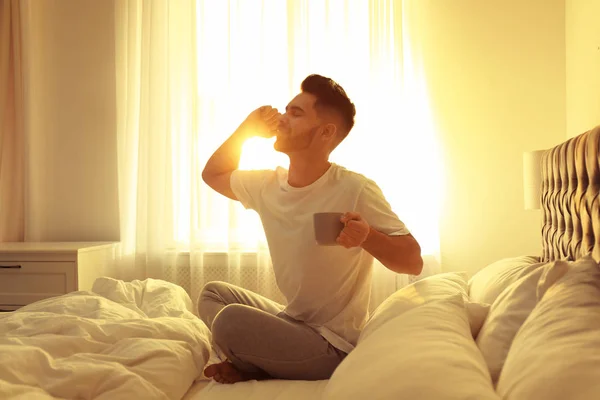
(229,324)
(211,293)
(216,287)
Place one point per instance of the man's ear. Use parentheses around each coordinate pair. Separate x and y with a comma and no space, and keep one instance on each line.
(329,132)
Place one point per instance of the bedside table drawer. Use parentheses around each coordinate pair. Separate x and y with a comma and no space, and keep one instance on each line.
(22,283)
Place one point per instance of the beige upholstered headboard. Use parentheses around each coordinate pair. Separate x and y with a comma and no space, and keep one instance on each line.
(570,203)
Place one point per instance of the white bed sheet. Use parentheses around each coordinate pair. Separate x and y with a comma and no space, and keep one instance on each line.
(276,389)
(253,390)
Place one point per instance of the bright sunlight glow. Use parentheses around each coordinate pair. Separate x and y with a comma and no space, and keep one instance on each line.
(251,54)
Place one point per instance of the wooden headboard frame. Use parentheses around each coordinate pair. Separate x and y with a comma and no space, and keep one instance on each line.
(570,202)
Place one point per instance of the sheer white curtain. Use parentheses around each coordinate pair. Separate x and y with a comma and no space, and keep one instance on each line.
(11,124)
(188,72)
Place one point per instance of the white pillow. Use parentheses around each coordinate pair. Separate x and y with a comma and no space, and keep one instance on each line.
(432,288)
(508,313)
(556,353)
(425,353)
(486,285)
(477,313)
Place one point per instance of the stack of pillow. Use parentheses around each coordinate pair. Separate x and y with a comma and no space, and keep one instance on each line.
(519,329)
(541,338)
(417,345)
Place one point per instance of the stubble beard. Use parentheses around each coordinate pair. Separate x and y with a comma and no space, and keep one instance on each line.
(287,144)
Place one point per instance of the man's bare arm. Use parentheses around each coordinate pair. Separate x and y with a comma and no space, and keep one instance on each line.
(217,172)
(401,254)
(224,161)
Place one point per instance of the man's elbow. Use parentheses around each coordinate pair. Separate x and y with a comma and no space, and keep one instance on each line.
(208,175)
(413,263)
(408,266)
(415,267)
(205,176)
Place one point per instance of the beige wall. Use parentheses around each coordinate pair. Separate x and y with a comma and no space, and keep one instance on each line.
(496,72)
(71,158)
(583,65)
(496,75)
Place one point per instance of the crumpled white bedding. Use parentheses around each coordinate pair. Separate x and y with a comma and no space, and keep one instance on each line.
(120,341)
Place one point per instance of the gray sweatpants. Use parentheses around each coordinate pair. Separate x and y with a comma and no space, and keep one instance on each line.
(256,336)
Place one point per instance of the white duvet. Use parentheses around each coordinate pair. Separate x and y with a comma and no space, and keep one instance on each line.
(136,340)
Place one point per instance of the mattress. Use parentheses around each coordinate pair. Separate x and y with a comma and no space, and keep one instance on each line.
(275,389)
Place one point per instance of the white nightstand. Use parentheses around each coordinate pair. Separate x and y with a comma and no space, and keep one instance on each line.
(34,271)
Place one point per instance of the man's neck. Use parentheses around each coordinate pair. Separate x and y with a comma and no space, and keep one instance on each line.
(305,171)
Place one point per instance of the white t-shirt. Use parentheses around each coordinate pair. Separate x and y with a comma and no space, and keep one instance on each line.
(327,287)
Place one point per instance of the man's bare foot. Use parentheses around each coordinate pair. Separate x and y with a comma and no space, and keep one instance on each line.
(225,372)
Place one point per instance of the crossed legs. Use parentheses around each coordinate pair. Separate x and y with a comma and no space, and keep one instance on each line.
(259,340)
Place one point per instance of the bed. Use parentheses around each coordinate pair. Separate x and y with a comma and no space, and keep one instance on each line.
(521,328)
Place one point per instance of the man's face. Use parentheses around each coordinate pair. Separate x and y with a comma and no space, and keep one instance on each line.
(299,125)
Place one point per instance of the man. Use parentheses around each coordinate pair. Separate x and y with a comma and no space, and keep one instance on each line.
(327,287)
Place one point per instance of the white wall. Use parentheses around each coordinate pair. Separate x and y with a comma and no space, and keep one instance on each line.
(71,158)
(583,65)
(496,75)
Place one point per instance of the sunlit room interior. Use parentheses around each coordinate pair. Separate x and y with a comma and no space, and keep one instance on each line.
(110,110)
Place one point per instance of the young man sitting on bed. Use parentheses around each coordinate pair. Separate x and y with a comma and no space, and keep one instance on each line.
(327,287)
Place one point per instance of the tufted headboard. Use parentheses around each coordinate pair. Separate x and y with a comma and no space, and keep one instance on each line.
(570,203)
